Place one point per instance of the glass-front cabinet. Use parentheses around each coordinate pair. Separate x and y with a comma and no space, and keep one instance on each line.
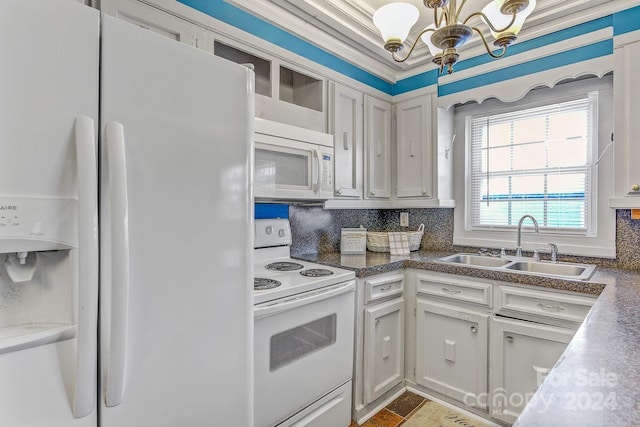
(284,93)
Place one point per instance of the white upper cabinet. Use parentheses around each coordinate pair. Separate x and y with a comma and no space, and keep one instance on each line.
(377,137)
(283,94)
(160,22)
(415,152)
(626,87)
(346,125)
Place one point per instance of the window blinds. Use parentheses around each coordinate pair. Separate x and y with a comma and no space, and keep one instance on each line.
(535,161)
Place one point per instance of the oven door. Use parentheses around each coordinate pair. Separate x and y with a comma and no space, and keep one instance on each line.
(303,350)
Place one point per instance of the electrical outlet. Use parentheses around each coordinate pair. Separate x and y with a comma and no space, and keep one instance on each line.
(404,219)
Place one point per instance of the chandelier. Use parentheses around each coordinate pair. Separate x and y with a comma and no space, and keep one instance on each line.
(448,32)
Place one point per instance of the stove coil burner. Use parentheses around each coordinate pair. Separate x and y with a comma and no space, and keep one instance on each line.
(284,266)
(261,284)
(316,272)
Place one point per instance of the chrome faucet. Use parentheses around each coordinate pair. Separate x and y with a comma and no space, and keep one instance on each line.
(554,251)
(519,240)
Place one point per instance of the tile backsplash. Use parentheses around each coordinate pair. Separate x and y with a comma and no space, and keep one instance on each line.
(316,230)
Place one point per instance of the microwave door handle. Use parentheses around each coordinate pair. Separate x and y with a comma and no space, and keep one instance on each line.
(316,170)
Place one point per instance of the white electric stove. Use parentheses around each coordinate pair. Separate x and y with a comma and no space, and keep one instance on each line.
(304,322)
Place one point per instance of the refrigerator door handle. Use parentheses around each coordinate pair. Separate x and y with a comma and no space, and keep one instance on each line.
(117,176)
(87,178)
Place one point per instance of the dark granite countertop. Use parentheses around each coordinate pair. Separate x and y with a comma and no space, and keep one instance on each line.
(596,382)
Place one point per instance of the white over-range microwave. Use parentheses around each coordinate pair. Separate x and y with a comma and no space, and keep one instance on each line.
(292,163)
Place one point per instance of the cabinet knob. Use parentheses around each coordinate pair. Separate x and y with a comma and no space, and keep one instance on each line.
(635,187)
(474,329)
(509,338)
(373,193)
(339,191)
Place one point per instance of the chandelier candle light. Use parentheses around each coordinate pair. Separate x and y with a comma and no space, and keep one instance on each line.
(448,33)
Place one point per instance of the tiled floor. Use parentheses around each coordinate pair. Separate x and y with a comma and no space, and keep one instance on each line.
(395,413)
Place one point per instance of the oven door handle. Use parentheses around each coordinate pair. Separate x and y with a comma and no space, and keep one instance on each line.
(275,307)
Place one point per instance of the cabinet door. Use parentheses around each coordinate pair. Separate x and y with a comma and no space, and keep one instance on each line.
(627,125)
(522,353)
(158,21)
(414,148)
(451,350)
(346,126)
(384,348)
(377,137)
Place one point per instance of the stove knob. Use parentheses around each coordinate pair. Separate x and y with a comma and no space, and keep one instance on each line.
(269,229)
(281,232)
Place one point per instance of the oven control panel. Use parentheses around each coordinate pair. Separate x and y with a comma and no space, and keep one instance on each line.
(272,232)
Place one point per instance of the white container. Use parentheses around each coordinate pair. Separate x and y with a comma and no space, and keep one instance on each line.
(353,241)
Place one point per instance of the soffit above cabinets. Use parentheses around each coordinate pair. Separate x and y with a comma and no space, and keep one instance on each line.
(345,27)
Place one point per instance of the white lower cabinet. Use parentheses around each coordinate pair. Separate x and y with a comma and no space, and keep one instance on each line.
(380,345)
(522,353)
(452,351)
(485,344)
(384,348)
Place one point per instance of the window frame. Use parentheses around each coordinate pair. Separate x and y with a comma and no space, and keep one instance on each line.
(603,243)
(591,211)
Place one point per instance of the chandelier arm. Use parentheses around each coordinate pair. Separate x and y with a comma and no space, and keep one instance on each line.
(488,22)
(458,11)
(486,45)
(426,30)
(443,16)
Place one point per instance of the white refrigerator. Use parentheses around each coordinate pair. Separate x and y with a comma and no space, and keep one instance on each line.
(125,190)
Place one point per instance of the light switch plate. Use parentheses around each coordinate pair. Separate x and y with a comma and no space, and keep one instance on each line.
(404,219)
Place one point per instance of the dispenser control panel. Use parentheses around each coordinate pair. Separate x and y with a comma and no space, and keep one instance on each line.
(31,223)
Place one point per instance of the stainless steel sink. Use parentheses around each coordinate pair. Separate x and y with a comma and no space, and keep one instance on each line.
(524,266)
(476,260)
(578,271)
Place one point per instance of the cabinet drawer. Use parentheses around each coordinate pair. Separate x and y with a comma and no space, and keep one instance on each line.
(382,287)
(573,308)
(455,289)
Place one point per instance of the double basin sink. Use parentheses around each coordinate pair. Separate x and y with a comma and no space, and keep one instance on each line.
(527,266)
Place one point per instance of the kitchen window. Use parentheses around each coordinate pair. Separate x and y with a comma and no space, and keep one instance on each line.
(535,161)
(548,155)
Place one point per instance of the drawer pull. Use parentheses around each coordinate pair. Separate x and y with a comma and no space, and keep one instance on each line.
(509,338)
(549,307)
(474,329)
(451,291)
(385,288)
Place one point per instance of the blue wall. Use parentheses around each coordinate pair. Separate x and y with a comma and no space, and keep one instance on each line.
(622,22)
(231,15)
(271,210)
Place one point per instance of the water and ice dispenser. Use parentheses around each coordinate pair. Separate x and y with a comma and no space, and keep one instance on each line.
(38,271)
(29,226)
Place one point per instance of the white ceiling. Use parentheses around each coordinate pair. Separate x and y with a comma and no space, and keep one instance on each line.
(345,27)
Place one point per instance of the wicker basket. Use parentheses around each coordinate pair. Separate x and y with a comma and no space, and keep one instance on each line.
(378,241)
(415,238)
